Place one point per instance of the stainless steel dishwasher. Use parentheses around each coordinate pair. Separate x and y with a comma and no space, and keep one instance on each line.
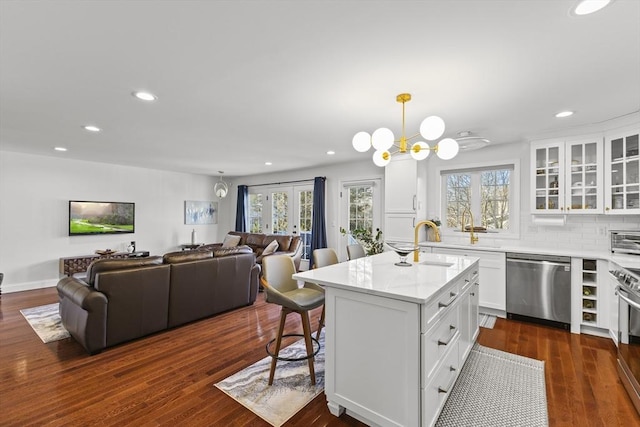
(539,289)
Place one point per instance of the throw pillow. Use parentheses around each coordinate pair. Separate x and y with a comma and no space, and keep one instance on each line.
(271,248)
(230,241)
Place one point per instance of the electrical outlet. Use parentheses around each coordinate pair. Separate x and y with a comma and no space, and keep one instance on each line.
(602,231)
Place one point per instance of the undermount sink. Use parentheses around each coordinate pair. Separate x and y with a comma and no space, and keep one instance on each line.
(437,263)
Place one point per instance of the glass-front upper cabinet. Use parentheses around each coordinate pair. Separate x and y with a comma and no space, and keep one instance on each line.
(548,159)
(622,183)
(568,176)
(584,167)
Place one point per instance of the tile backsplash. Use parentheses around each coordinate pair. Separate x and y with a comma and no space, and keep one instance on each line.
(588,232)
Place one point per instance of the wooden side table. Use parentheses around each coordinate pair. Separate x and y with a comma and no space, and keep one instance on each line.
(79,264)
(190,246)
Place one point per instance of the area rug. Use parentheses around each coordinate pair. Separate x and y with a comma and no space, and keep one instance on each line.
(45,321)
(497,389)
(291,389)
(486,320)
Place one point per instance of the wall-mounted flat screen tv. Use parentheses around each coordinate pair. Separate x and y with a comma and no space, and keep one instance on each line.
(101,217)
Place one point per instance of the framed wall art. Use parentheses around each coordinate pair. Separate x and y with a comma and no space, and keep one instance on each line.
(196,212)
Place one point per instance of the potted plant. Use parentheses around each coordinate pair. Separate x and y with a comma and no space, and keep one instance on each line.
(372,243)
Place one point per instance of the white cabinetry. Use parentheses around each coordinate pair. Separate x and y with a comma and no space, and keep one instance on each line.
(622,182)
(611,285)
(493,273)
(591,297)
(405,192)
(396,365)
(567,176)
(447,342)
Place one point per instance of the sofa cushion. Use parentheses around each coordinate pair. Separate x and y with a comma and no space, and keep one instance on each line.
(102,265)
(222,251)
(186,256)
(284,241)
(256,239)
(271,248)
(231,241)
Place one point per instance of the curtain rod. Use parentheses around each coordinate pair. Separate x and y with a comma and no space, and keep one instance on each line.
(285,182)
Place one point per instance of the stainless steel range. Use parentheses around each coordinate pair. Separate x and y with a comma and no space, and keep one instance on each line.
(628,291)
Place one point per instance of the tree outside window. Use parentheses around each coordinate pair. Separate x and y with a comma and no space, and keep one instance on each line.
(483,192)
(279,212)
(361,208)
(255,213)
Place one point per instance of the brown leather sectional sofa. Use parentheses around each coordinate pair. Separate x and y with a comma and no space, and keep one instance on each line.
(287,245)
(124,299)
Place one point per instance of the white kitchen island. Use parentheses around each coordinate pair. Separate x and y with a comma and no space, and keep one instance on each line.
(396,337)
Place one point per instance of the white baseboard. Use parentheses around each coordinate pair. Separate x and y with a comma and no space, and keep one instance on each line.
(8,288)
(493,311)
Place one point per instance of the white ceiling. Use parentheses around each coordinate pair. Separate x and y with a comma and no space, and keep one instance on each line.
(244,82)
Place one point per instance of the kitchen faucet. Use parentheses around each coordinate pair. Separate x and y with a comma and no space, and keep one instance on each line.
(431,224)
(472,236)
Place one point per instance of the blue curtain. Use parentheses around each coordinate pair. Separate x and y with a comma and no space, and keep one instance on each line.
(242,208)
(318,222)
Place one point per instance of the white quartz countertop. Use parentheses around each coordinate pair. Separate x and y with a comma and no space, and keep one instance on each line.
(630,261)
(377,275)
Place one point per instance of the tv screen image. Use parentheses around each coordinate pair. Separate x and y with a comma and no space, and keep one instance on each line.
(87,217)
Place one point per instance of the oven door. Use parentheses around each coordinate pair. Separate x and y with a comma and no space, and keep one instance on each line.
(629,342)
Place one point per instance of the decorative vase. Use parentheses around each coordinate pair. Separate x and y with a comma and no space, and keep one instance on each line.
(193,236)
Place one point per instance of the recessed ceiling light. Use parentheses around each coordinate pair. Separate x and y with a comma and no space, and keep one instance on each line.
(331,152)
(145,96)
(564,114)
(268,163)
(92,128)
(586,7)
(60,149)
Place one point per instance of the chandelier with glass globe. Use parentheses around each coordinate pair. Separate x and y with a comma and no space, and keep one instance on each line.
(385,145)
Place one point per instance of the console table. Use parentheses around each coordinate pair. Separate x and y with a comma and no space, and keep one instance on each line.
(190,246)
(79,264)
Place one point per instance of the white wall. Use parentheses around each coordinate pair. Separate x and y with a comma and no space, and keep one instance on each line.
(34,195)
(583,232)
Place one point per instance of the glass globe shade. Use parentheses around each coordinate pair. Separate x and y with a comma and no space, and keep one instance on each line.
(361,141)
(382,139)
(586,7)
(420,150)
(447,149)
(379,158)
(432,128)
(221,189)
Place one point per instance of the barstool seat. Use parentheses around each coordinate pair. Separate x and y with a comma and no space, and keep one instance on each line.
(281,289)
(355,251)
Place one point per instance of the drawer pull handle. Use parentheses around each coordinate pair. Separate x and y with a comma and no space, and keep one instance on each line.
(450,386)
(453,296)
(473,294)
(448,340)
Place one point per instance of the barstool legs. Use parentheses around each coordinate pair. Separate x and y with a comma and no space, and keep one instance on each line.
(283,318)
(321,324)
(306,327)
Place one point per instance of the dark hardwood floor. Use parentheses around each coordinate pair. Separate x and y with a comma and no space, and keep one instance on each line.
(167,378)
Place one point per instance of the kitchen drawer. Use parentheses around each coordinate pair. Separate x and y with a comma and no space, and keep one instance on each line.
(438,341)
(445,299)
(436,392)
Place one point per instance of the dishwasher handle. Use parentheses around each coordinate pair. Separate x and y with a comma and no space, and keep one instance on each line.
(526,261)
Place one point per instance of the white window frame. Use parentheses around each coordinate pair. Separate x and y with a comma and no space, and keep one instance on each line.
(514,197)
(343,222)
